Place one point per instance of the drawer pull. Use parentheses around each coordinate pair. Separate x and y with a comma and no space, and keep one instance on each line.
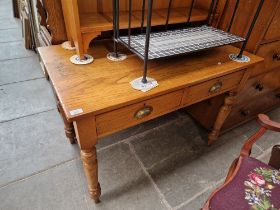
(276,57)
(144,112)
(245,112)
(216,87)
(259,87)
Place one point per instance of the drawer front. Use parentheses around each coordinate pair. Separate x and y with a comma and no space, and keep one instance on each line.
(125,117)
(271,54)
(260,85)
(211,88)
(242,113)
(273,32)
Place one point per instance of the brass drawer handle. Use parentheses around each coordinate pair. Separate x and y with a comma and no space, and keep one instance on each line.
(144,112)
(245,112)
(216,87)
(259,87)
(276,57)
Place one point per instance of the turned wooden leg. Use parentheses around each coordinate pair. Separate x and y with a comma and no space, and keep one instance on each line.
(70,132)
(91,171)
(225,110)
(68,127)
(87,138)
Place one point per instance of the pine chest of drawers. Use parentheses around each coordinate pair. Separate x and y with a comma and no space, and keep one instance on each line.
(262,91)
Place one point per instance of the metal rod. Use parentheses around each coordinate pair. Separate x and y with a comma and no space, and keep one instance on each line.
(190,11)
(118,17)
(115,27)
(233,15)
(147,44)
(143,15)
(129,22)
(214,12)
(168,14)
(251,28)
(210,11)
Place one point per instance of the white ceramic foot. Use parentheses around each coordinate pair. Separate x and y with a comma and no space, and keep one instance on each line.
(243,59)
(67,46)
(137,84)
(112,57)
(75,59)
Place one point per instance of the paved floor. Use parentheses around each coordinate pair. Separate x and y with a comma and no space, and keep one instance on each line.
(162,164)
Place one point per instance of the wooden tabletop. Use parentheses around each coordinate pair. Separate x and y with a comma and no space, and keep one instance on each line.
(104,85)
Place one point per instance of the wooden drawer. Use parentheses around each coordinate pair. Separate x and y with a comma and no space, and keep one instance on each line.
(273,32)
(245,112)
(119,119)
(211,88)
(271,54)
(260,85)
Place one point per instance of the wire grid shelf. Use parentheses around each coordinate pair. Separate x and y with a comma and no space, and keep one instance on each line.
(175,42)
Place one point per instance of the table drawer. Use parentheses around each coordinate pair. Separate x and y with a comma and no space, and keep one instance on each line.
(271,54)
(125,117)
(211,88)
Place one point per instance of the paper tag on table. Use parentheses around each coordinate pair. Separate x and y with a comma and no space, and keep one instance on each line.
(76,111)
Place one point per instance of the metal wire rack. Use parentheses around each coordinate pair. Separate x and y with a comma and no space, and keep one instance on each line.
(174,42)
(154,45)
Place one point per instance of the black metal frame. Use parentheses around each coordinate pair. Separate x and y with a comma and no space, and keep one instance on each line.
(251,28)
(116,28)
(145,57)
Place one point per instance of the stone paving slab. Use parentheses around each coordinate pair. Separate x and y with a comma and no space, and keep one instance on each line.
(265,157)
(199,201)
(181,163)
(9,23)
(22,69)
(6,10)
(25,98)
(269,139)
(12,50)
(32,144)
(58,188)
(10,35)
(6,2)
(4,13)
(124,186)
(162,142)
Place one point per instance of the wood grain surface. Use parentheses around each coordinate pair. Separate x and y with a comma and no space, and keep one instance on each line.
(104,85)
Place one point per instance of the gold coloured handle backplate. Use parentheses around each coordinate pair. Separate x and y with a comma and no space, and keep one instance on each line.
(144,112)
(216,87)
